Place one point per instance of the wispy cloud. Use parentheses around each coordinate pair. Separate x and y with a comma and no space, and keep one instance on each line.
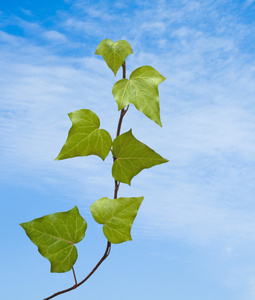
(54,36)
(26,12)
(249,3)
(205,195)
(206,103)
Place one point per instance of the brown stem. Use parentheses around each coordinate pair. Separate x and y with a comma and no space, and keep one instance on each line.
(107,252)
(122,114)
(123,111)
(124,70)
(75,280)
(117,184)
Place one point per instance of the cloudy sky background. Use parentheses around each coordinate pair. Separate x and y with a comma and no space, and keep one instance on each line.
(194,236)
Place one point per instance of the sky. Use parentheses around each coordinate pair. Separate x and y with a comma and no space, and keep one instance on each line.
(194,235)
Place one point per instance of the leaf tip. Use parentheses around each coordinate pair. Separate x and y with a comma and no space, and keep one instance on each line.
(158,121)
(59,157)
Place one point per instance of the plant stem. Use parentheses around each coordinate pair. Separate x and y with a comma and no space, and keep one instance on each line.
(123,111)
(122,114)
(108,247)
(124,70)
(75,280)
(107,252)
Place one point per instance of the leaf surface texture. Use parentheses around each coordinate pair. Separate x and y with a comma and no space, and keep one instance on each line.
(114,54)
(131,157)
(55,236)
(85,137)
(141,89)
(117,216)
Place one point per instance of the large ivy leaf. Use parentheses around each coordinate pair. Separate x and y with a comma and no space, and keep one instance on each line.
(114,54)
(142,90)
(85,137)
(117,215)
(131,157)
(55,236)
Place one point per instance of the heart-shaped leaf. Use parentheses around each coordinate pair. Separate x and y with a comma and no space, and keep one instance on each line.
(117,215)
(131,157)
(114,54)
(55,236)
(142,90)
(85,137)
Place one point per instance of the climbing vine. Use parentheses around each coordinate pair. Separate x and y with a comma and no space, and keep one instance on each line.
(56,234)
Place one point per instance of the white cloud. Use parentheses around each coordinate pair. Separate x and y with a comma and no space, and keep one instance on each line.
(206,106)
(55,36)
(26,12)
(205,194)
(248,3)
(155,27)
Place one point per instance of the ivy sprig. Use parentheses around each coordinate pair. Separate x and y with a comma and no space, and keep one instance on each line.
(56,234)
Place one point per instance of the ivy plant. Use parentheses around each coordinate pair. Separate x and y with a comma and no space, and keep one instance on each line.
(56,234)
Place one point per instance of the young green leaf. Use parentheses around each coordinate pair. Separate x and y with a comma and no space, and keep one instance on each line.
(114,54)
(55,236)
(131,157)
(117,215)
(142,90)
(85,137)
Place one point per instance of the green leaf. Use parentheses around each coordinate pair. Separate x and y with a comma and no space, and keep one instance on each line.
(141,90)
(117,215)
(114,54)
(85,137)
(55,236)
(131,157)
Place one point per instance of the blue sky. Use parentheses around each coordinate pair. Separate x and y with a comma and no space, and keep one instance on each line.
(194,236)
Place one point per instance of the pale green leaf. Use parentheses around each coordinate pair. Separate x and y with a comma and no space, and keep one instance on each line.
(85,137)
(142,90)
(114,54)
(55,236)
(131,157)
(117,215)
